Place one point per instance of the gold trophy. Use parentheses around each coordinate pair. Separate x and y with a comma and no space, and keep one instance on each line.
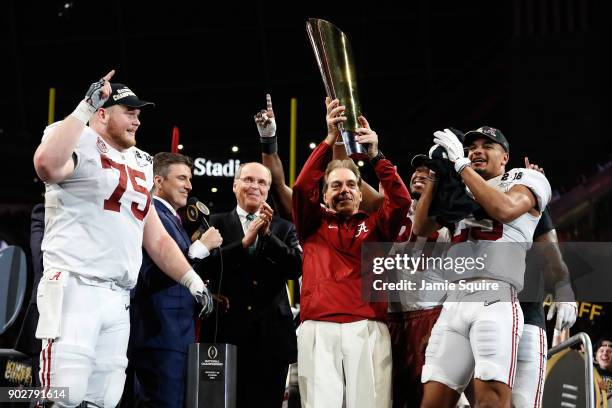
(335,59)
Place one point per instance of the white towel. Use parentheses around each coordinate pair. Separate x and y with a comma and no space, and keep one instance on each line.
(49,300)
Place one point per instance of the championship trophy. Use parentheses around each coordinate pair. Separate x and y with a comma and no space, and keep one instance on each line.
(335,59)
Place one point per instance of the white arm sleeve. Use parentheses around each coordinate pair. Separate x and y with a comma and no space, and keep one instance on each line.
(536,182)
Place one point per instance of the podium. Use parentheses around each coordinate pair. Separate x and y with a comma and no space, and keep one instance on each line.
(211,375)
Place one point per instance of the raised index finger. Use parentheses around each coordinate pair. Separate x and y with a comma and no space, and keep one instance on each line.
(526,162)
(268,102)
(108,76)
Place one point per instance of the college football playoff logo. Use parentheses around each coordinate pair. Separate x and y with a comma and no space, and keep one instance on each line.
(212,352)
(101,146)
(142,159)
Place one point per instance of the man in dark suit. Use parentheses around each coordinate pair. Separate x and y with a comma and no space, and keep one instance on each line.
(162,315)
(260,253)
(26,342)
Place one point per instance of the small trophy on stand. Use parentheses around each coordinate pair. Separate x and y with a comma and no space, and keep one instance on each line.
(335,59)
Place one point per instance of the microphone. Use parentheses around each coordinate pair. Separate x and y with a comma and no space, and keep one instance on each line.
(197,210)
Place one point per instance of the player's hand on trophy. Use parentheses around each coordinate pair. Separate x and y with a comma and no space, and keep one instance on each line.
(211,238)
(367,137)
(566,314)
(334,117)
(533,166)
(264,119)
(454,148)
(97,94)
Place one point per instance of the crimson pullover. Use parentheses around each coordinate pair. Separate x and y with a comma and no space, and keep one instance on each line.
(331,273)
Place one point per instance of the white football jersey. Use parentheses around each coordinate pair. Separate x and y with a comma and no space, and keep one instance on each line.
(411,300)
(504,261)
(94,219)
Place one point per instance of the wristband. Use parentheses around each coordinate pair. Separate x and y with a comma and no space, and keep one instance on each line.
(189,278)
(83,112)
(268,145)
(379,156)
(461,164)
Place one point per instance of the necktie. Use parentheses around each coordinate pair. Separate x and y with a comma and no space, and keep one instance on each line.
(178,218)
(250,218)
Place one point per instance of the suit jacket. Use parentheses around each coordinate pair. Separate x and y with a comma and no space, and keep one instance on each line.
(162,311)
(37,231)
(259,314)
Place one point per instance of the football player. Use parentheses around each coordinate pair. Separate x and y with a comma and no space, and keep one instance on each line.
(98,218)
(478,331)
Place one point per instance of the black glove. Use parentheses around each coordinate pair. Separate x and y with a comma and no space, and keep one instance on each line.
(94,99)
(94,94)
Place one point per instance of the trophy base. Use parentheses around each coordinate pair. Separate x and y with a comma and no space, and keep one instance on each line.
(353,149)
(211,375)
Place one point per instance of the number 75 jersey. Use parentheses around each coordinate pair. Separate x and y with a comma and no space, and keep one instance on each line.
(94,219)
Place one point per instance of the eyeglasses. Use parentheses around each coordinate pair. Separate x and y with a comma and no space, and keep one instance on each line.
(251,182)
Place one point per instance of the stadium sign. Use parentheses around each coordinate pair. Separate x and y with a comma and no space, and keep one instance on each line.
(204,167)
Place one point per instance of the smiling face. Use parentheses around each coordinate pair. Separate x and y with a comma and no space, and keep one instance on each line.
(418,181)
(488,158)
(117,124)
(175,186)
(604,355)
(251,186)
(342,193)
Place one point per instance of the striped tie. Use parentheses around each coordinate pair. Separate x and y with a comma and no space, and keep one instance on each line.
(250,218)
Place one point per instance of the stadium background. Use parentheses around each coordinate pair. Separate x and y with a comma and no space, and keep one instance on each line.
(537,70)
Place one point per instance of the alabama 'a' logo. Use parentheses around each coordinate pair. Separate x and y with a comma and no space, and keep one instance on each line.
(362,228)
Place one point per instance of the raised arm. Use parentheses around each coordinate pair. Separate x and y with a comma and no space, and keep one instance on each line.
(422,225)
(306,190)
(372,199)
(281,192)
(397,198)
(53,159)
(503,207)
